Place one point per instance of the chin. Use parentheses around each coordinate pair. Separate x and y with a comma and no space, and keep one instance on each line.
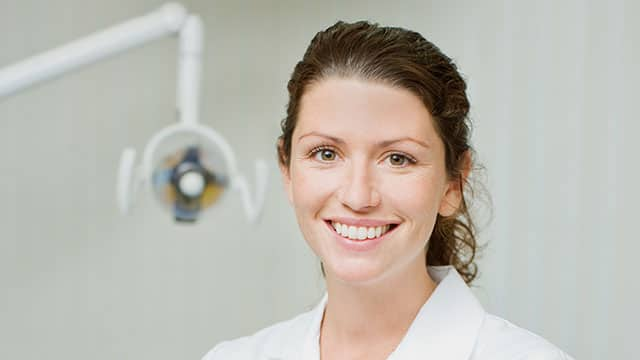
(354,272)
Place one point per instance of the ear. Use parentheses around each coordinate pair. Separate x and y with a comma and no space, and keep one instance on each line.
(286,175)
(452,198)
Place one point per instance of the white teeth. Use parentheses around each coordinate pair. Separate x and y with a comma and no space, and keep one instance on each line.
(361,232)
(344,231)
(371,233)
(353,232)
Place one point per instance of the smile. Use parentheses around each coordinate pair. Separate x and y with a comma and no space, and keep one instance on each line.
(361,233)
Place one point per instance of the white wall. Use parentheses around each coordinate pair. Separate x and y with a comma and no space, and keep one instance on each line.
(551,87)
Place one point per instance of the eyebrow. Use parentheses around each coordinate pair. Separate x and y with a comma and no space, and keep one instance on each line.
(384,143)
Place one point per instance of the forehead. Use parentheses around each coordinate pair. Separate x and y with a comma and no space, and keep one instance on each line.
(348,106)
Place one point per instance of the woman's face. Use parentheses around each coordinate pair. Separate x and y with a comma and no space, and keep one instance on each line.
(366,159)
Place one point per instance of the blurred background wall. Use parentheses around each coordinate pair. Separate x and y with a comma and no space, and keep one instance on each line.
(553,91)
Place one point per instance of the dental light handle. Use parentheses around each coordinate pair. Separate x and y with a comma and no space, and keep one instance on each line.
(253,206)
(127,182)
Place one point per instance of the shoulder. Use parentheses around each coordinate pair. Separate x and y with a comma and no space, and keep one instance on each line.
(499,339)
(264,344)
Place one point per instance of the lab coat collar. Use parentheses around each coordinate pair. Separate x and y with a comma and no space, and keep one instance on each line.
(447,325)
(445,328)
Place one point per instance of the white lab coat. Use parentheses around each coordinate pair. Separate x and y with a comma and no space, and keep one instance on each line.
(451,325)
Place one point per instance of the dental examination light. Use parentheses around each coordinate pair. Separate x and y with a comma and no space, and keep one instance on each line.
(187,166)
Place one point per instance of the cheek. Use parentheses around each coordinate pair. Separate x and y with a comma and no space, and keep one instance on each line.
(310,189)
(417,196)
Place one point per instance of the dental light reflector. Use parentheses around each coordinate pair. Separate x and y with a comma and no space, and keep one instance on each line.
(187,184)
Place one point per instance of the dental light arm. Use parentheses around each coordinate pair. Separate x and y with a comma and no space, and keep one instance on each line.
(166,21)
(169,20)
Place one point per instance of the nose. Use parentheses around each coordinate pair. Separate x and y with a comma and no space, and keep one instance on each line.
(359,191)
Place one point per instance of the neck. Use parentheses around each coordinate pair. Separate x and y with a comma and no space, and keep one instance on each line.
(358,316)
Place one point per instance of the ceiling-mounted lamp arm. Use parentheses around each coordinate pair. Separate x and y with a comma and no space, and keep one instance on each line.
(166,21)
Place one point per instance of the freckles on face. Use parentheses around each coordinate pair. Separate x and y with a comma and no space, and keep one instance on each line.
(364,151)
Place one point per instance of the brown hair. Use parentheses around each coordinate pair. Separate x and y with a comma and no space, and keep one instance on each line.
(400,58)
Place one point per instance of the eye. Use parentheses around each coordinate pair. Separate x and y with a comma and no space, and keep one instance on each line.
(324,154)
(400,160)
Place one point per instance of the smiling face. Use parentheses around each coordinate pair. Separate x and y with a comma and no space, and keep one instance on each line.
(367,178)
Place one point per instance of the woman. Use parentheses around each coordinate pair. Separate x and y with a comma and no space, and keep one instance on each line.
(375,158)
